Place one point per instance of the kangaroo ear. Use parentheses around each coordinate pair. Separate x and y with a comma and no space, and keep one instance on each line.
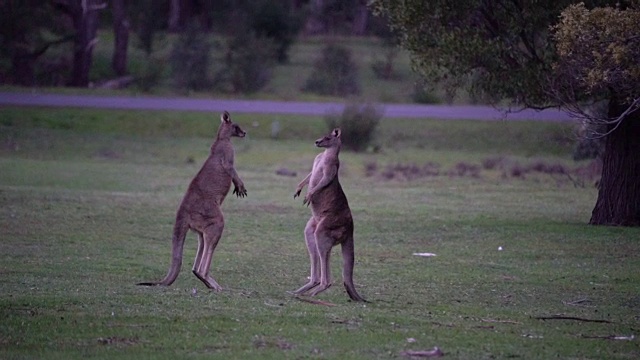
(225,117)
(337,132)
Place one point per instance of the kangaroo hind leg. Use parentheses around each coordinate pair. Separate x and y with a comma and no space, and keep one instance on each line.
(324,244)
(207,244)
(314,257)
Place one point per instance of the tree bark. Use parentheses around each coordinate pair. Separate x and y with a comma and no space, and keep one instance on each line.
(121,37)
(206,12)
(22,70)
(174,15)
(618,200)
(315,22)
(84,14)
(361,19)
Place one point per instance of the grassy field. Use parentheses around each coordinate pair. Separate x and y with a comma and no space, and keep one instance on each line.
(87,200)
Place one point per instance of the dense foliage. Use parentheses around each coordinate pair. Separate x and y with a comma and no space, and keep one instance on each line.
(335,73)
(598,55)
(358,123)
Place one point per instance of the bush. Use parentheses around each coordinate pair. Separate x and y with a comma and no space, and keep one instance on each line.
(272,20)
(423,94)
(590,143)
(248,64)
(147,20)
(358,124)
(334,73)
(190,60)
(151,74)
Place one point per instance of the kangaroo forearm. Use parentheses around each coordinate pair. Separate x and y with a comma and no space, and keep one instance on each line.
(324,182)
(236,179)
(304,182)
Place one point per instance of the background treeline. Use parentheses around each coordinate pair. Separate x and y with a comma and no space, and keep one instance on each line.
(187,45)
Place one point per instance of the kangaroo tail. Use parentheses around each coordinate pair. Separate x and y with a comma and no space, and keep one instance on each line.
(180,230)
(348,259)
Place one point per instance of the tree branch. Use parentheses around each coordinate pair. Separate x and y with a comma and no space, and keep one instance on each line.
(562,317)
(37,53)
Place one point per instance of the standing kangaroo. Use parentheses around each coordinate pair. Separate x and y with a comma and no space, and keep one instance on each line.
(330,223)
(200,208)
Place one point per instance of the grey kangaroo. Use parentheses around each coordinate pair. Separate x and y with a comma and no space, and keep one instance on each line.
(330,223)
(200,208)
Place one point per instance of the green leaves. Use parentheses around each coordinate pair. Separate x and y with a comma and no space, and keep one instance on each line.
(508,48)
(600,49)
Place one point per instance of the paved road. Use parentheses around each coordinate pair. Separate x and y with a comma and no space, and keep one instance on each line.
(270,107)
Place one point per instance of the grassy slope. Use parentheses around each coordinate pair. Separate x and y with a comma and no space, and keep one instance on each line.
(87,200)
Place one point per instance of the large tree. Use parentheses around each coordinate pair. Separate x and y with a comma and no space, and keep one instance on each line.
(85,19)
(599,59)
(28,29)
(120,35)
(506,49)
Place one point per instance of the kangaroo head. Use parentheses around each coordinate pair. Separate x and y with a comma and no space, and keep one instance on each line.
(228,128)
(330,140)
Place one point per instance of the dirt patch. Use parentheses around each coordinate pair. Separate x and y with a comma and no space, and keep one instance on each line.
(508,169)
(115,340)
(263,342)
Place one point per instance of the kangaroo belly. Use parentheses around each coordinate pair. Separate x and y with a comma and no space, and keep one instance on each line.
(331,201)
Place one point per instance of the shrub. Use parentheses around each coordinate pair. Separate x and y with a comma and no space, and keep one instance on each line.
(248,64)
(150,74)
(148,20)
(423,94)
(272,20)
(334,73)
(590,144)
(358,124)
(190,60)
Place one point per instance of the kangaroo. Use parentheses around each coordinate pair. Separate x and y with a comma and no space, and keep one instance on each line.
(330,223)
(200,208)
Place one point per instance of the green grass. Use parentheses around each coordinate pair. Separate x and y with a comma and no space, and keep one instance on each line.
(87,200)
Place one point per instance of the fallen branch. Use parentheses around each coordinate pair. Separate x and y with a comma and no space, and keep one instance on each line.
(610,337)
(435,352)
(500,321)
(561,317)
(578,302)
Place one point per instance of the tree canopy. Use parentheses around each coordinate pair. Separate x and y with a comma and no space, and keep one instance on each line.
(598,58)
(502,48)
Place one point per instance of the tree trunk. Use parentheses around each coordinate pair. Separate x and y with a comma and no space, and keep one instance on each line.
(315,22)
(174,15)
(85,21)
(22,71)
(206,11)
(618,200)
(121,37)
(361,18)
